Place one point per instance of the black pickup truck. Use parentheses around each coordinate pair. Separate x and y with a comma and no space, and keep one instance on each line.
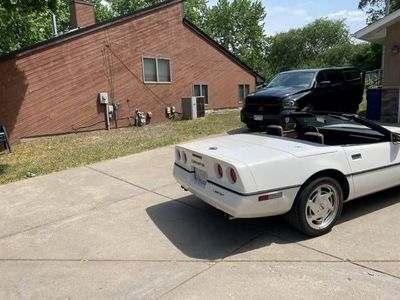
(329,89)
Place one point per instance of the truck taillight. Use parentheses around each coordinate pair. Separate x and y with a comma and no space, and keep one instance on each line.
(232,175)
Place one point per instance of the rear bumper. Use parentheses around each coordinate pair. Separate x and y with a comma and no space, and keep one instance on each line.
(233,203)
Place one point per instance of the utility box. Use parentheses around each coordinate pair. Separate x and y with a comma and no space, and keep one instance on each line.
(103,98)
(193,108)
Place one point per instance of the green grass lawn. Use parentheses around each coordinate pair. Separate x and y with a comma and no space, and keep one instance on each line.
(42,156)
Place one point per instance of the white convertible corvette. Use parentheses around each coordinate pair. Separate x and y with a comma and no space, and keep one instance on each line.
(305,173)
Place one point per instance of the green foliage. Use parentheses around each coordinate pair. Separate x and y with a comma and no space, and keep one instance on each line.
(122,7)
(30,5)
(102,12)
(24,23)
(323,34)
(238,25)
(322,43)
(20,28)
(376,9)
(367,56)
(197,11)
(285,51)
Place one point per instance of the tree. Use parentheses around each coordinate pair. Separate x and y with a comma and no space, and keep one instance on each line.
(367,56)
(24,23)
(285,51)
(30,5)
(103,12)
(323,34)
(321,43)
(376,9)
(197,12)
(239,27)
(122,7)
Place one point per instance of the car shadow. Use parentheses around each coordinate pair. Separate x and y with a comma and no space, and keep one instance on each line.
(201,232)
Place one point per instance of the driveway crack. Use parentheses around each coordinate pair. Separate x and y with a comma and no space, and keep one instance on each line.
(148,190)
(355,263)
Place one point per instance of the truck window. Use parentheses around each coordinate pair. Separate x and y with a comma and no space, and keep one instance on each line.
(335,76)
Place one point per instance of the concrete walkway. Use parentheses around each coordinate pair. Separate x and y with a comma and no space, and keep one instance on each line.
(124,229)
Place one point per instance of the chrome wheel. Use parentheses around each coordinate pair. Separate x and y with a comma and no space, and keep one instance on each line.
(322,206)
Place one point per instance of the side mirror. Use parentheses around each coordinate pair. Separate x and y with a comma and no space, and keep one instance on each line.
(323,84)
(395,138)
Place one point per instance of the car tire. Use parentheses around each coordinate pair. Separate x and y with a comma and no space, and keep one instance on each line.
(317,207)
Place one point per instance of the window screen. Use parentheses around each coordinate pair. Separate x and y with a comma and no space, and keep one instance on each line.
(243,91)
(164,74)
(156,70)
(150,69)
(201,90)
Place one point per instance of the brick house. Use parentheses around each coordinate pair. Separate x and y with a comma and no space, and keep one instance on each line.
(386,32)
(147,60)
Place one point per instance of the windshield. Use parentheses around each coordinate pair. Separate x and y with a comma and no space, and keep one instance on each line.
(293,79)
(332,121)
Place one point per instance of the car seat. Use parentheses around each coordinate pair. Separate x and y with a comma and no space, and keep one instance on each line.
(274,130)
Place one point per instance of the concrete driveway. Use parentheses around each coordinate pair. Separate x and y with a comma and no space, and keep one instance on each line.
(124,229)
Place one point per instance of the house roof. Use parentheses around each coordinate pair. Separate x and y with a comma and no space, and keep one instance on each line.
(207,38)
(74,34)
(376,32)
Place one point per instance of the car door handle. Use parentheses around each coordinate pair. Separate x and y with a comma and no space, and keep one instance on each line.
(356,156)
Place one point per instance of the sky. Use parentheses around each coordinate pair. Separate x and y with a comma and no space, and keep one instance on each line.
(283,15)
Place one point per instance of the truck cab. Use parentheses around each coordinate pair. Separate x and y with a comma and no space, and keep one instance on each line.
(328,89)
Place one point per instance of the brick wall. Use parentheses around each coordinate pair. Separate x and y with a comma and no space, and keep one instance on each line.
(390,105)
(54,90)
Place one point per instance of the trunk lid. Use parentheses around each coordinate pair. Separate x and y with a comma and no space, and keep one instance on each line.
(256,148)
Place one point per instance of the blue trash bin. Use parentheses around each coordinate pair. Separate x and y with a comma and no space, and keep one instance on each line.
(374,98)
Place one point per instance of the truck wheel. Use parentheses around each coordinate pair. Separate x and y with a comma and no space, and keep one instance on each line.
(317,207)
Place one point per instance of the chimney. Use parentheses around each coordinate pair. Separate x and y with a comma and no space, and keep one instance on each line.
(82,13)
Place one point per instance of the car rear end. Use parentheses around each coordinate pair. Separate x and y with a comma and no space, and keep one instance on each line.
(227,184)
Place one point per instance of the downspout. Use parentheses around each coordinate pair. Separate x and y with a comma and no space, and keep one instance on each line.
(54,24)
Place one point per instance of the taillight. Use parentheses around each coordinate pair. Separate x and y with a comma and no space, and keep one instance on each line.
(232,175)
(219,170)
(178,155)
(184,157)
(263,198)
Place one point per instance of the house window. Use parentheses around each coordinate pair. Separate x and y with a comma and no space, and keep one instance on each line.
(156,70)
(201,90)
(243,91)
